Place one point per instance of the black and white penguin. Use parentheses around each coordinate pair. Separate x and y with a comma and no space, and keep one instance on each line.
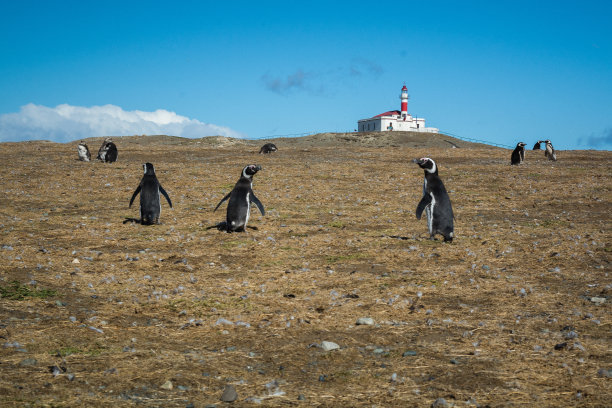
(111,153)
(268,148)
(83,150)
(518,154)
(435,202)
(240,199)
(550,151)
(537,145)
(150,202)
(102,150)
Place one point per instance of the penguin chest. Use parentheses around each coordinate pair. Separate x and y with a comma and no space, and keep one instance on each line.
(430,211)
(238,209)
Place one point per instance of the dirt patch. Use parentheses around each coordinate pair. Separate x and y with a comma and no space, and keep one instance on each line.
(516,311)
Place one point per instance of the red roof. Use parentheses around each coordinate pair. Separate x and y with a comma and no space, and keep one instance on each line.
(389,113)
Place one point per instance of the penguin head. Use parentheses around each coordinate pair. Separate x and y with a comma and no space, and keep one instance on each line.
(149,170)
(521,144)
(250,170)
(547,141)
(427,164)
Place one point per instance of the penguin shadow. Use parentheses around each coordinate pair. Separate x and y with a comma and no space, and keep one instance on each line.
(139,221)
(415,238)
(222,226)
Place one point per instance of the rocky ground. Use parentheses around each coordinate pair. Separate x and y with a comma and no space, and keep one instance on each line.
(337,299)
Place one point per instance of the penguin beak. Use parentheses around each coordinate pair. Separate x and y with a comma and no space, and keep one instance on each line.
(258,167)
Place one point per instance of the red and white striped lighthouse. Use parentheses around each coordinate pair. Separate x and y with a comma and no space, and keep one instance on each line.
(404,98)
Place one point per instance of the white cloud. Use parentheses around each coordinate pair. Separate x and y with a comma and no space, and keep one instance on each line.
(66,123)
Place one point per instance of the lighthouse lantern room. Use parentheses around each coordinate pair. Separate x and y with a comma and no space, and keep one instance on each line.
(395,120)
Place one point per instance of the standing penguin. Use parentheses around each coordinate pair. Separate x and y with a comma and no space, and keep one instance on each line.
(435,202)
(83,150)
(537,146)
(150,203)
(111,153)
(550,151)
(102,150)
(518,154)
(240,199)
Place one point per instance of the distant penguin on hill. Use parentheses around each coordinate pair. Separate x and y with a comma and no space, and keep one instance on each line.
(240,199)
(435,202)
(111,153)
(268,148)
(537,145)
(150,202)
(518,154)
(83,150)
(550,151)
(102,150)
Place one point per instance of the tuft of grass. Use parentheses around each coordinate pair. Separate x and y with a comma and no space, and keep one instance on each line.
(337,224)
(17,291)
(66,351)
(342,258)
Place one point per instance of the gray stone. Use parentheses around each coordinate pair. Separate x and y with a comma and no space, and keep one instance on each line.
(229,394)
(598,300)
(329,345)
(167,385)
(28,362)
(605,372)
(439,403)
(366,321)
(409,353)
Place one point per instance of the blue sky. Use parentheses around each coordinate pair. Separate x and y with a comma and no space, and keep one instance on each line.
(500,71)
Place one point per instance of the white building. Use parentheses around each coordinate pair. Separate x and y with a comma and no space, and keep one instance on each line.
(395,120)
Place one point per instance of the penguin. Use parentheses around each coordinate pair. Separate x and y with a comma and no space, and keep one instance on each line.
(240,199)
(435,202)
(550,151)
(83,150)
(518,155)
(110,153)
(149,189)
(268,148)
(537,145)
(102,150)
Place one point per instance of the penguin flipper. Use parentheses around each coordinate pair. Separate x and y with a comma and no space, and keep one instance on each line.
(258,204)
(222,200)
(425,201)
(161,190)
(135,194)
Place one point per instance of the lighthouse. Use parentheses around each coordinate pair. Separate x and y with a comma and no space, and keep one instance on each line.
(395,120)
(404,98)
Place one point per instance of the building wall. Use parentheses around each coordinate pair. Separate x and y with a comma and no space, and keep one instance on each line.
(380,124)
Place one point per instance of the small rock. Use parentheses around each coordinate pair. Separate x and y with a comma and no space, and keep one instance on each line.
(598,300)
(607,373)
(560,346)
(167,385)
(28,362)
(440,402)
(366,321)
(301,397)
(571,335)
(223,321)
(70,377)
(409,353)
(229,394)
(329,345)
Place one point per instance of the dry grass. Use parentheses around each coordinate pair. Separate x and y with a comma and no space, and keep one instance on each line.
(140,307)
